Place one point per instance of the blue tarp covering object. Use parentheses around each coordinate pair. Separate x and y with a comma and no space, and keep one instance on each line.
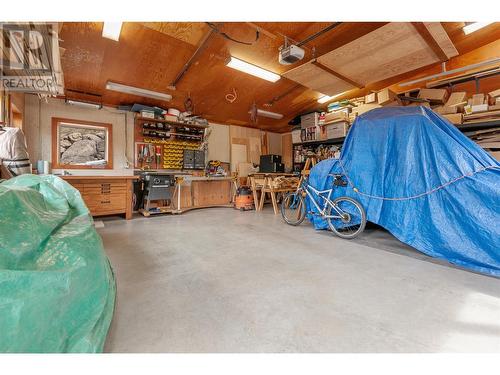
(420,178)
(57,289)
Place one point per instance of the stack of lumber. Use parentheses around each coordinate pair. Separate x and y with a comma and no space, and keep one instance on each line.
(489,139)
(282,182)
(481,108)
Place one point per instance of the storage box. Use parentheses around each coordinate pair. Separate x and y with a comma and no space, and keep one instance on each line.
(147,114)
(360,109)
(342,115)
(171,118)
(336,130)
(433,95)
(371,98)
(386,96)
(296,136)
(309,120)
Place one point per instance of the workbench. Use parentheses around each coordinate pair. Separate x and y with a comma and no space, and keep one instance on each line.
(266,183)
(193,192)
(105,195)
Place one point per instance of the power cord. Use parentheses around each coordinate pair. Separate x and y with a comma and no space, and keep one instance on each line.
(226,36)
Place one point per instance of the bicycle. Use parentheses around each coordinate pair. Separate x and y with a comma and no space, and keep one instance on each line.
(346,217)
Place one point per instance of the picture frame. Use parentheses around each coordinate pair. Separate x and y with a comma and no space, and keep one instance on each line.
(79,144)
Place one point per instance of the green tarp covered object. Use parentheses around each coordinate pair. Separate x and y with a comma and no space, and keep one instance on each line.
(57,289)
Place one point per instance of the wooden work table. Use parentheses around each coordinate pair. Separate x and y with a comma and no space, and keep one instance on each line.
(105,195)
(265,183)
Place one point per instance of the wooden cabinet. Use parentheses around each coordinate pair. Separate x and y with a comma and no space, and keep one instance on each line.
(105,195)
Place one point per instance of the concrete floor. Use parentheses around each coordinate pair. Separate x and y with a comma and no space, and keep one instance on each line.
(220,280)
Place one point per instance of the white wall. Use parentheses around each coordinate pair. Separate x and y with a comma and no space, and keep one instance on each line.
(274,143)
(219,147)
(38,115)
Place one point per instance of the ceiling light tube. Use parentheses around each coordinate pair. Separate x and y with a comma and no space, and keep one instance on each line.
(474,26)
(137,91)
(84,104)
(326,98)
(252,69)
(273,115)
(112,30)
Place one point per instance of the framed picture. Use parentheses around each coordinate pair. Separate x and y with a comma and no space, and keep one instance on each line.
(81,144)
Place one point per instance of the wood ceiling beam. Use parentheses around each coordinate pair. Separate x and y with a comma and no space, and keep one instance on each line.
(336,74)
(430,41)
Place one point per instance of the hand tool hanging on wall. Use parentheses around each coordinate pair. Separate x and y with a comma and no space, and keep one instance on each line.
(158,156)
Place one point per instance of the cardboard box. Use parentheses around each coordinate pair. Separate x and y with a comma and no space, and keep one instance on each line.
(337,130)
(433,95)
(455,118)
(309,120)
(371,98)
(385,96)
(360,109)
(296,136)
(342,115)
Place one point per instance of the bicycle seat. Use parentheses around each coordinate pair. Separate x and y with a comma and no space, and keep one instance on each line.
(335,174)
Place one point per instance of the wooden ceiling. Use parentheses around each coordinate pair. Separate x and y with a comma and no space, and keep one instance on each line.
(151,55)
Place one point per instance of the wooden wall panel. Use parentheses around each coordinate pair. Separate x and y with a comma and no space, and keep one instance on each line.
(286,149)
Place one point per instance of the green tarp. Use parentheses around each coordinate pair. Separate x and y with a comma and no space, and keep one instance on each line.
(57,289)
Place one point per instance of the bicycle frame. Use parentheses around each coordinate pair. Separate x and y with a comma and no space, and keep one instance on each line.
(327,200)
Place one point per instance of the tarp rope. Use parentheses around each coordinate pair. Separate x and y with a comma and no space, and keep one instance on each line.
(355,189)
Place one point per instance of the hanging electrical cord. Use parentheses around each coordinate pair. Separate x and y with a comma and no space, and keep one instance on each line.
(231,97)
(226,36)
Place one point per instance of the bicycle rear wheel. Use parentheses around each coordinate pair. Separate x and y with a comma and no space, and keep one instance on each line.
(293,208)
(352,218)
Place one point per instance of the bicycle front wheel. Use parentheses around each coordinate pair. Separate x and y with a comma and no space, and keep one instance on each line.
(349,221)
(293,208)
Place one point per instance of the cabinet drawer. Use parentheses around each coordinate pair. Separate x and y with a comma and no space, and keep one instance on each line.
(104,187)
(104,190)
(105,202)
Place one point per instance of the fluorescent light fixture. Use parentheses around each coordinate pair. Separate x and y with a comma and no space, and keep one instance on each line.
(137,91)
(325,98)
(252,69)
(111,30)
(274,115)
(84,104)
(474,26)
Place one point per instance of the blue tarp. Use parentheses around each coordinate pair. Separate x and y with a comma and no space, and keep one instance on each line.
(420,178)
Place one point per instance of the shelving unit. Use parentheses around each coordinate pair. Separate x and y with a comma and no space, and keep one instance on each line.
(312,145)
(171,137)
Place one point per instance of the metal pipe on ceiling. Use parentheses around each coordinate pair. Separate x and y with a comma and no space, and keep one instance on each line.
(448,72)
(319,33)
(201,48)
